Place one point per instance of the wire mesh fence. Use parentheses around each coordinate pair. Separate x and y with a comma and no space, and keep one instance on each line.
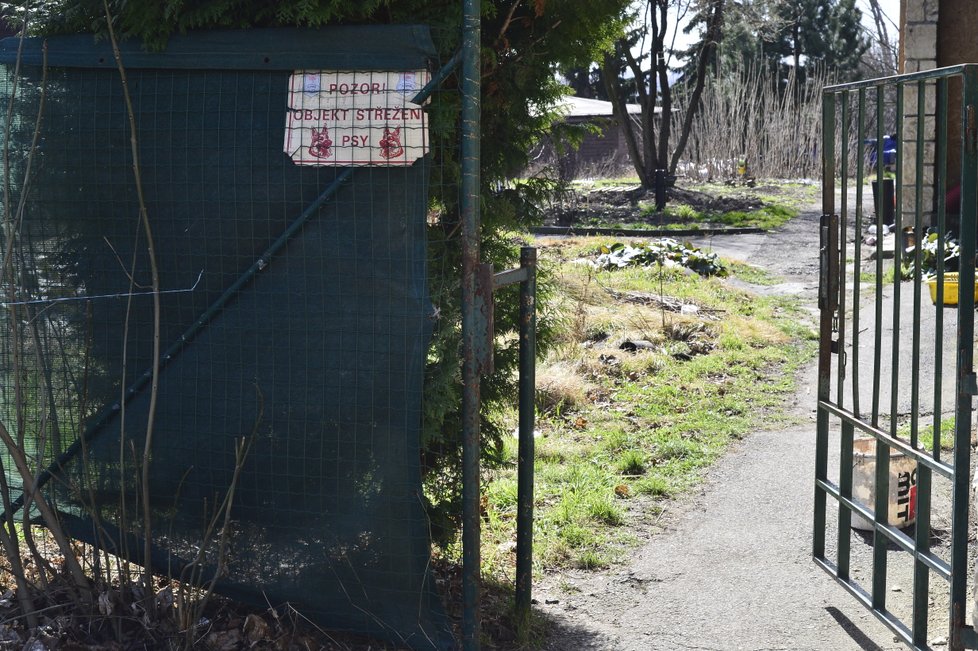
(267,324)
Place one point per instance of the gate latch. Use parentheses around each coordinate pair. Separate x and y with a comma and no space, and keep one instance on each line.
(828,285)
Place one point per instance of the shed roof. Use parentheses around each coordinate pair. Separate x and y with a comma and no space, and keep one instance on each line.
(579,107)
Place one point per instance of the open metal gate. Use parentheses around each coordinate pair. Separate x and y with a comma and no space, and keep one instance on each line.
(896,378)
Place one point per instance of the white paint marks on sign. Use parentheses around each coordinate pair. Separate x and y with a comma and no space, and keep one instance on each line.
(346,118)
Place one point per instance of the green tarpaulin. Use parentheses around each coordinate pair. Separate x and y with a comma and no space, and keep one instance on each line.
(317,351)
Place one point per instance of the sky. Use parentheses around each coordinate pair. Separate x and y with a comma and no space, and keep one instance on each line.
(892,10)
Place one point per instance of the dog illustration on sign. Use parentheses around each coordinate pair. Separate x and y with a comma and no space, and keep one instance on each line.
(322,146)
(390,144)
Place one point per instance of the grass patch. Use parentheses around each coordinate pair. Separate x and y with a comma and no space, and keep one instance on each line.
(925,433)
(751,274)
(682,216)
(631,462)
(619,425)
(790,194)
(889,276)
(768,217)
(766,206)
(624,181)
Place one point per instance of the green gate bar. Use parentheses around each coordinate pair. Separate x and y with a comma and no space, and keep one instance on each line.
(966,388)
(880,107)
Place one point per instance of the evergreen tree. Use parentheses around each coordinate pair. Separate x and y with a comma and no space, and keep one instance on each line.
(522,44)
(817,34)
(785,36)
(587,82)
(748,25)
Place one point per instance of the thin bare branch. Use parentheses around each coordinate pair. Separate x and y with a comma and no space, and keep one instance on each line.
(155,283)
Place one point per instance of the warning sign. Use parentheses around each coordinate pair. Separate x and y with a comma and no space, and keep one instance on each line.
(356,118)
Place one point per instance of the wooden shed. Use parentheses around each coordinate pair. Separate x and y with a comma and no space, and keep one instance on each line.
(601,153)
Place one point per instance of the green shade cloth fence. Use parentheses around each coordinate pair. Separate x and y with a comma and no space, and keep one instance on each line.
(317,343)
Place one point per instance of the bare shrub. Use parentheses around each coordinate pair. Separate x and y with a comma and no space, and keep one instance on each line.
(43,407)
(745,115)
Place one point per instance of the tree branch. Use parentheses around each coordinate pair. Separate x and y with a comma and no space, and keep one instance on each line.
(714,34)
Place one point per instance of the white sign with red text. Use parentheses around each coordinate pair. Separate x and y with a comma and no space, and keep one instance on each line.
(347,118)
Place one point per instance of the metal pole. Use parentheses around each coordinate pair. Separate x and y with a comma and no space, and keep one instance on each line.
(827,302)
(966,383)
(524,495)
(473,323)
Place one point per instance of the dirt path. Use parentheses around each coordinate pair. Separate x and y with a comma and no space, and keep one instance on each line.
(732,567)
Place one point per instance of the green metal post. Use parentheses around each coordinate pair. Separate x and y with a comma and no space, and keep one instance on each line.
(895,345)
(857,261)
(524,496)
(881,506)
(938,364)
(966,388)
(921,590)
(918,230)
(827,302)
(880,216)
(473,323)
(847,433)
(844,139)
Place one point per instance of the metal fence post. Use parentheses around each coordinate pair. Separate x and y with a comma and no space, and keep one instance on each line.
(473,324)
(524,498)
(827,305)
(966,383)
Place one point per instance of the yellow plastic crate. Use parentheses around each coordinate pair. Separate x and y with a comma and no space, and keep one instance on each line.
(950,289)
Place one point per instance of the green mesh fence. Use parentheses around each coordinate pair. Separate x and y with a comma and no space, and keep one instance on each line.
(285,177)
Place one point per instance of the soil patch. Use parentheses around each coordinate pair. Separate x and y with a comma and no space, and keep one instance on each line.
(621,205)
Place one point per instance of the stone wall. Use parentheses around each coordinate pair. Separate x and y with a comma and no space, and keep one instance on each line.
(918,51)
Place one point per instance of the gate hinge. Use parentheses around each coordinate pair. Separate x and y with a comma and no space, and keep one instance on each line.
(970,382)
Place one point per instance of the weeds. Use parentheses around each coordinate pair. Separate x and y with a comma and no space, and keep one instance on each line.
(643,423)
(662,253)
(631,462)
(769,216)
(745,114)
(45,399)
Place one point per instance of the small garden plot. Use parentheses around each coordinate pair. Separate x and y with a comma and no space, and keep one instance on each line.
(659,365)
(620,204)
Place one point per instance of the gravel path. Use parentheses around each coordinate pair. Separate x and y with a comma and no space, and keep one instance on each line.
(730,567)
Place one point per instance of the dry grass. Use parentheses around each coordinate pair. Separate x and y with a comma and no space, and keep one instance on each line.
(641,421)
(744,114)
(560,386)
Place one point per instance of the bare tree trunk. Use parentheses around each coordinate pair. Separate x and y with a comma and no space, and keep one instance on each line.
(612,82)
(890,59)
(651,153)
(714,34)
(661,68)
